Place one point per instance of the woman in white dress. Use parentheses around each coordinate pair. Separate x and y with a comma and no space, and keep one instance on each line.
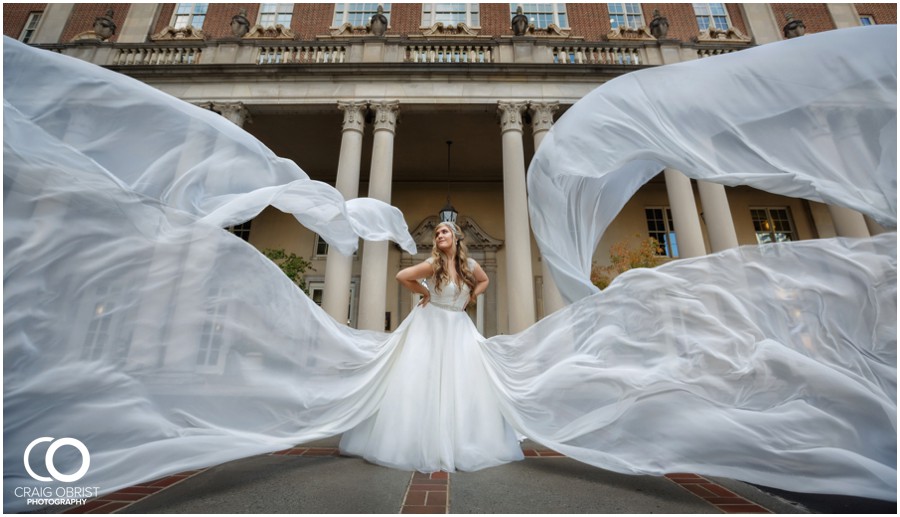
(439,410)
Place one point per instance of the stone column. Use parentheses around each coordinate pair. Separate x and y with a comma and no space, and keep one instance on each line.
(138,23)
(717,216)
(373,284)
(233,111)
(761,23)
(52,24)
(339,268)
(519,278)
(873,226)
(688,233)
(541,122)
(489,265)
(847,222)
(844,15)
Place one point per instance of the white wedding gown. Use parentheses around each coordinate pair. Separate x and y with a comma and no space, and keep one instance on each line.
(134,323)
(439,410)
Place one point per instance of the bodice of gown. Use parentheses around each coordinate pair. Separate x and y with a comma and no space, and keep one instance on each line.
(452,297)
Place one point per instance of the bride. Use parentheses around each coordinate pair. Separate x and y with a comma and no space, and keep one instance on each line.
(439,410)
(129,323)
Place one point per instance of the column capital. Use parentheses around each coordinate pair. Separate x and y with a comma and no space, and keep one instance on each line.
(510,115)
(354,115)
(233,111)
(542,115)
(386,113)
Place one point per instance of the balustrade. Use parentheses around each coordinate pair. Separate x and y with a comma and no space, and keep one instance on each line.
(278,54)
(596,55)
(158,56)
(451,53)
(707,52)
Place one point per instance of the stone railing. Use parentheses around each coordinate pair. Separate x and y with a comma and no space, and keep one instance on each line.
(449,53)
(372,51)
(597,55)
(319,54)
(717,51)
(157,55)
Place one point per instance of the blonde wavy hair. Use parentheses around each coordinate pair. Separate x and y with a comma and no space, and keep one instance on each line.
(441,275)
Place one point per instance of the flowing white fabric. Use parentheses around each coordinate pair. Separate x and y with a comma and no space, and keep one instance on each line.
(134,323)
(812,117)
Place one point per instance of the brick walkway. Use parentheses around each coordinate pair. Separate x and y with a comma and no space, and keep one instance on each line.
(426,493)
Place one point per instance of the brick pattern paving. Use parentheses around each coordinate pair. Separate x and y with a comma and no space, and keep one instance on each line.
(308,451)
(112,503)
(716,495)
(426,493)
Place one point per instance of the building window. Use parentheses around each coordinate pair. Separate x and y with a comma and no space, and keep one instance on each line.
(773,225)
(189,15)
(866,20)
(542,15)
(30,26)
(713,15)
(317,293)
(450,14)
(241,230)
(661,228)
(98,331)
(322,248)
(271,15)
(625,15)
(358,15)
(211,351)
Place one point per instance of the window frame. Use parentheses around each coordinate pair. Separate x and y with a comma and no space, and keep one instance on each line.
(472,11)
(670,249)
(346,12)
(241,230)
(318,242)
(773,231)
(318,285)
(191,14)
(277,13)
(626,15)
(31,25)
(712,17)
(869,17)
(533,14)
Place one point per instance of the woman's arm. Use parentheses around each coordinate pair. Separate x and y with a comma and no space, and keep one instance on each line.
(409,278)
(481,280)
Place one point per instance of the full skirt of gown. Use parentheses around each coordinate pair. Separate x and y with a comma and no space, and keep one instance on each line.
(439,410)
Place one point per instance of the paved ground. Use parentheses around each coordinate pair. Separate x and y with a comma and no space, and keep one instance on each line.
(314,479)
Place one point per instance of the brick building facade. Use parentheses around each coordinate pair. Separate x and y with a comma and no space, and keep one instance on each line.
(293,88)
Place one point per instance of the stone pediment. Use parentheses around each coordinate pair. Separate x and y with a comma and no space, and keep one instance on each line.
(714,35)
(185,33)
(476,239)
(439,29)
(630,34)
(277,32)
(348,30)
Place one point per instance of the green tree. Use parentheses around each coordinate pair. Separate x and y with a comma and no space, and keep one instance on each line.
(624,256)
(292,265)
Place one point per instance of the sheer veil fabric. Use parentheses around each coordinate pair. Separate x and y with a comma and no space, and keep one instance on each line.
(135,324)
